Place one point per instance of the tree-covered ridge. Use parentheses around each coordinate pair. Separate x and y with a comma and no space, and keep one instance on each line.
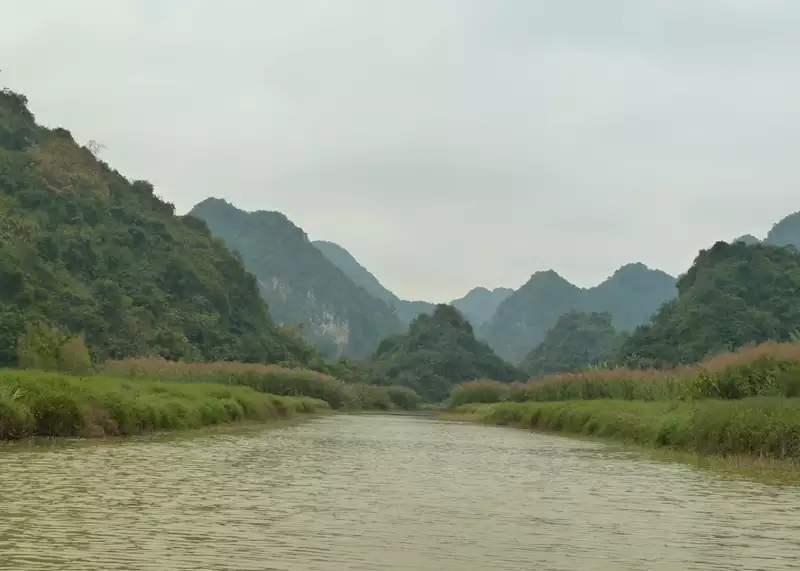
(438,351)
(301,285)
(733,294)
(83,248)
(785,232)
(520,322)
(577,341)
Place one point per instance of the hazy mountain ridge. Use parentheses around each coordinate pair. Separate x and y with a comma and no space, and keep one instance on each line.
(631,295)
(300,284)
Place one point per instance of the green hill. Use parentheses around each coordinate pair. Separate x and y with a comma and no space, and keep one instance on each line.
(300,284)
(83,248)
(480,304)
(520,322)
(439,351)
(732,295)
(786,232)
(577,341)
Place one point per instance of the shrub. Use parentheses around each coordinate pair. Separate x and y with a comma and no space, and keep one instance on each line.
(482,391)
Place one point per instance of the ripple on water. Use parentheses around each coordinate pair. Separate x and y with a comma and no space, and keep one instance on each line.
(381,493)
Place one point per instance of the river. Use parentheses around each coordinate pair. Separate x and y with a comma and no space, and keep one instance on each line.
(380,493)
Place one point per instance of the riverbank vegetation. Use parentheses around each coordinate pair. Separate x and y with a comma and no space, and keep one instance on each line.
(743,402)
(37,403)
(269,379)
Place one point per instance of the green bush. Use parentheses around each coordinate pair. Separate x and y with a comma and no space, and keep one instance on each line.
(51,349)
(479,392)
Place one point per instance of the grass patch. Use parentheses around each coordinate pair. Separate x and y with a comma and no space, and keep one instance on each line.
(36,403)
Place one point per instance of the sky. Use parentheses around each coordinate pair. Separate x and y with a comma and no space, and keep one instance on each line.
(447,144)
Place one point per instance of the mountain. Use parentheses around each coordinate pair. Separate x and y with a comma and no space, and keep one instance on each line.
(733,294)
(748,239)
(86,250)
(520,322)
(577,341)
(439,351)
(786,232)
(300,284)
(479,305)
(357,273)
(406,311)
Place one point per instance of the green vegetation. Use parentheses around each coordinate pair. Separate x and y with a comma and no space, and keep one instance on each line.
(762,427)
(577,341)
(300,284)
(520,322)
(87,251)
(35,403)
(479,305)
(733,295)
(270,379)
(438,351)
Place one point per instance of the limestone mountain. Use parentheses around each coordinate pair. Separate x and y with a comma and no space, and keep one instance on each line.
(480,303)
(631,296)
(405,310)
(84,249)
(438,351)
(786,232)
(303,288)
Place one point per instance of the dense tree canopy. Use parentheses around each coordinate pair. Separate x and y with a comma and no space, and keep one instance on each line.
(577,341)
(438,351)
(83,248)
(733,294)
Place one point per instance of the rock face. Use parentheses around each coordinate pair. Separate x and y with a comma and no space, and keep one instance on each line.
(302,287)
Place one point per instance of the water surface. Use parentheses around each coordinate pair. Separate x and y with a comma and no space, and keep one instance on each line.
(381,493)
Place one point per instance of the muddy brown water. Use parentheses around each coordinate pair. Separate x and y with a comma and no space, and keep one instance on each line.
(381,493)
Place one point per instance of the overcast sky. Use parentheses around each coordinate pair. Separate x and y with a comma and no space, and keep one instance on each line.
(445,143)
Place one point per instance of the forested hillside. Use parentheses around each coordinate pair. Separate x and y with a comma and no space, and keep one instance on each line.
(733,294)
(300,284)
(438,351)
(85,249)
(479,305)
(520,322)
(577,341)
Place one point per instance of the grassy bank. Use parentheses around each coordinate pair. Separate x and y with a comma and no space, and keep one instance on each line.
(769,369)
(757,427)
(268,379)
(35,403)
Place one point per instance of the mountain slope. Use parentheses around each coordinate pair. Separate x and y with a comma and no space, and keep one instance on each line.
(83,248)
(520,322)
(479,305)
(405,310)
(438,351)
(786,232)
(577,340)
(732,295)
(301,285)
(357,273)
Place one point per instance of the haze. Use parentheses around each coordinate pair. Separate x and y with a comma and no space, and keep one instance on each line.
(446,144)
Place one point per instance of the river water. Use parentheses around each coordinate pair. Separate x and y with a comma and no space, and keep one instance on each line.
(380,493)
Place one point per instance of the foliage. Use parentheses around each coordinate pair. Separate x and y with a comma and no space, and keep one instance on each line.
(769,369)
(480,391)
(764,427)
(268,379)
(733,295)
(36,403)
(520,322)
(438,351)
(577,341)
(51,349)
(299,283)
(88,251)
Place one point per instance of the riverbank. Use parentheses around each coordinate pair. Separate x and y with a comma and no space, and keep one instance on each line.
(760,436)
(40,404)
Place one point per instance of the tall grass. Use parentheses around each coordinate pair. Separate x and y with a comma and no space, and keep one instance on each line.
(760,426)
(36,403)
(769,369)
(267,379)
